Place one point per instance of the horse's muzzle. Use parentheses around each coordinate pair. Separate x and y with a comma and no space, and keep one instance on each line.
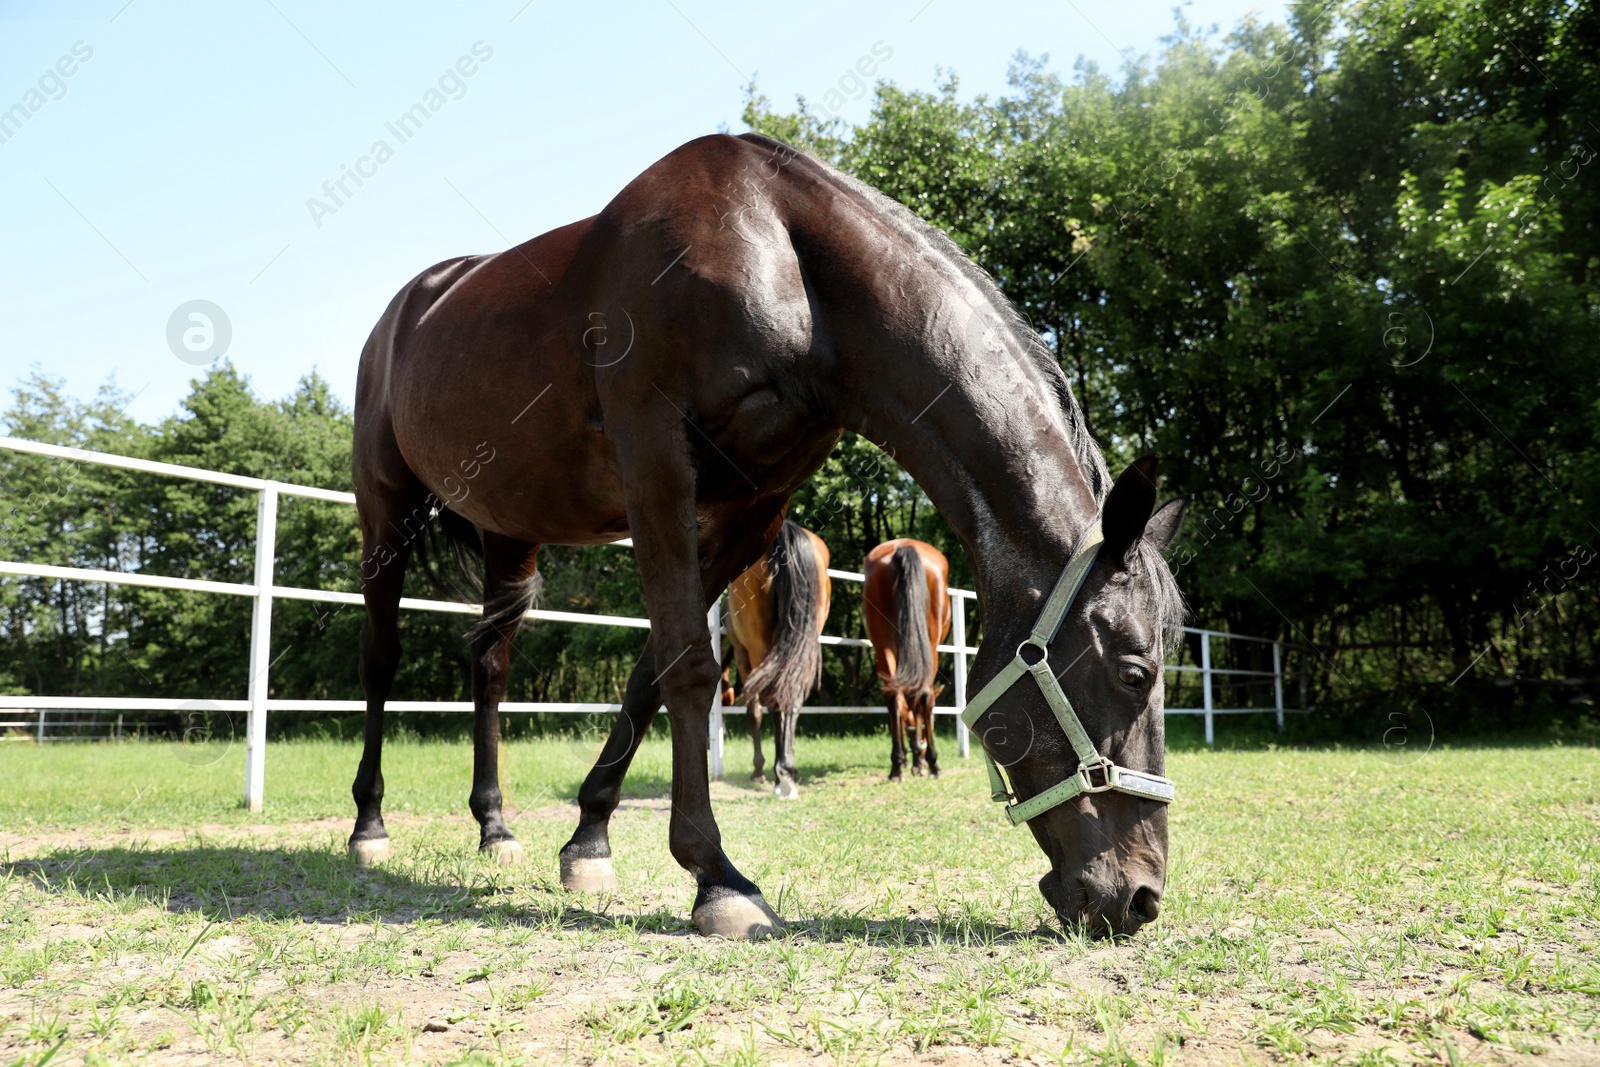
(1100,914)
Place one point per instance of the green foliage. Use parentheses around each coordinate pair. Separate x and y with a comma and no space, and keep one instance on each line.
(68,637)
(1340,274)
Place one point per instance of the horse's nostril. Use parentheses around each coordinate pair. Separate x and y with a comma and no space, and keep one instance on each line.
(1145,905)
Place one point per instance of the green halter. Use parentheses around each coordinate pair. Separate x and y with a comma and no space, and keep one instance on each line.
(1095,773)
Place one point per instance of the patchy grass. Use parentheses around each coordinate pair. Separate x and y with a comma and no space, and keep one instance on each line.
(1323,906)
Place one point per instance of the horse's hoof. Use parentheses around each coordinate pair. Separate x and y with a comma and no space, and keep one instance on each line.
(737,917)
(366,853)
(896,777)
(786,789)
(584,875)
(507,853)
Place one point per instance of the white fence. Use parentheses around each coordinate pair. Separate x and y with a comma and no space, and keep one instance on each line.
(257,705)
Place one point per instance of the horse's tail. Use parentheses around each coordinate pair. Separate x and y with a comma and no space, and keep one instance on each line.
(450,553)
(792,666)
(913,659)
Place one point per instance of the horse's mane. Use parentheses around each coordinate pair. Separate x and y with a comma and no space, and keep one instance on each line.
(1085,450)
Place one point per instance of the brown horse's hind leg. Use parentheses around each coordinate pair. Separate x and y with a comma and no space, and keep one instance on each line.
(509,585)
(386,548)
(758,762)
(788,787)
(897,733)
(925,701)
(917,736)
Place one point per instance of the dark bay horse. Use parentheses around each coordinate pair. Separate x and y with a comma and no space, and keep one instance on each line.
(776,611)
(905,602)
(672,369)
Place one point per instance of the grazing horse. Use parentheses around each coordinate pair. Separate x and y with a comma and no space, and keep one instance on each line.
(906,604)
(672,369)
(776,611)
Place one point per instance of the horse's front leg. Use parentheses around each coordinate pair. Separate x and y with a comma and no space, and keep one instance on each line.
(659,470)
(586,858)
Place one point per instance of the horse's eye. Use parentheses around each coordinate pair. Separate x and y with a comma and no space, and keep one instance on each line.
(1131,676)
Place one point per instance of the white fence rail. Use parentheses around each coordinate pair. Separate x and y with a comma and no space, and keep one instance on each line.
(257,705)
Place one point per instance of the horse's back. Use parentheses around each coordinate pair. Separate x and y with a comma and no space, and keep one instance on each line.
(476,374)
(545,356)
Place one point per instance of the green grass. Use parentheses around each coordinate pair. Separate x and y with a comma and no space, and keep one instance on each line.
(1322,906)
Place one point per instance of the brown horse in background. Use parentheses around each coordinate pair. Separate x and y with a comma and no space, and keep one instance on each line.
(673,369)
(776,611)
(906,604)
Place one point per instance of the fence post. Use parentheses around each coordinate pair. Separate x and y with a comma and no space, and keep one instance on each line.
(255,741)
(958,631)
(714,738)
(1277,679)
(1205,683)
(41,727)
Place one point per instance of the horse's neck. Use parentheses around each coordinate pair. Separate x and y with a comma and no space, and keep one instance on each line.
(985,437)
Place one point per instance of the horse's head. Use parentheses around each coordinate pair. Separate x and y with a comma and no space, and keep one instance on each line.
(1107,849)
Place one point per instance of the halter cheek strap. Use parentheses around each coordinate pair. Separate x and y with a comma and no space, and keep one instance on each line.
(1095,774)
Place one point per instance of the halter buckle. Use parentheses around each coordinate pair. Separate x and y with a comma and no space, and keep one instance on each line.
(1105,768)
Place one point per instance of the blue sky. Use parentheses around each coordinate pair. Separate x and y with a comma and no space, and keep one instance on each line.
(166,152)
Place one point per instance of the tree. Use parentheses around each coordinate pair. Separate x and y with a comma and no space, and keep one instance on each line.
(1341,275)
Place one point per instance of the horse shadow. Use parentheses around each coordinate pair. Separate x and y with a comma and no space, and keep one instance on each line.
(313,884)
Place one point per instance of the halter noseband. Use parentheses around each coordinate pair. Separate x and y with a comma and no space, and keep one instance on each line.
(1095,774)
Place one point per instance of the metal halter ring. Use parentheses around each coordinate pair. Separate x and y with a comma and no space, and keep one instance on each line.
(1033,642)
(1095,773)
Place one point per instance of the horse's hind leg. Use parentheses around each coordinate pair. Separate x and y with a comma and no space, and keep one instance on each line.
(788,787)
(897,733)
(917,736)
(758,765)
(925,702)
(386,548)
(510,584)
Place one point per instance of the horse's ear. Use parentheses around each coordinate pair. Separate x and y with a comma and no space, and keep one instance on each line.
(1128,507)
(1162,529)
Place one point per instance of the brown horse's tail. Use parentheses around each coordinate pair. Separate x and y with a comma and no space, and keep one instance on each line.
(913,659)
(792,666)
